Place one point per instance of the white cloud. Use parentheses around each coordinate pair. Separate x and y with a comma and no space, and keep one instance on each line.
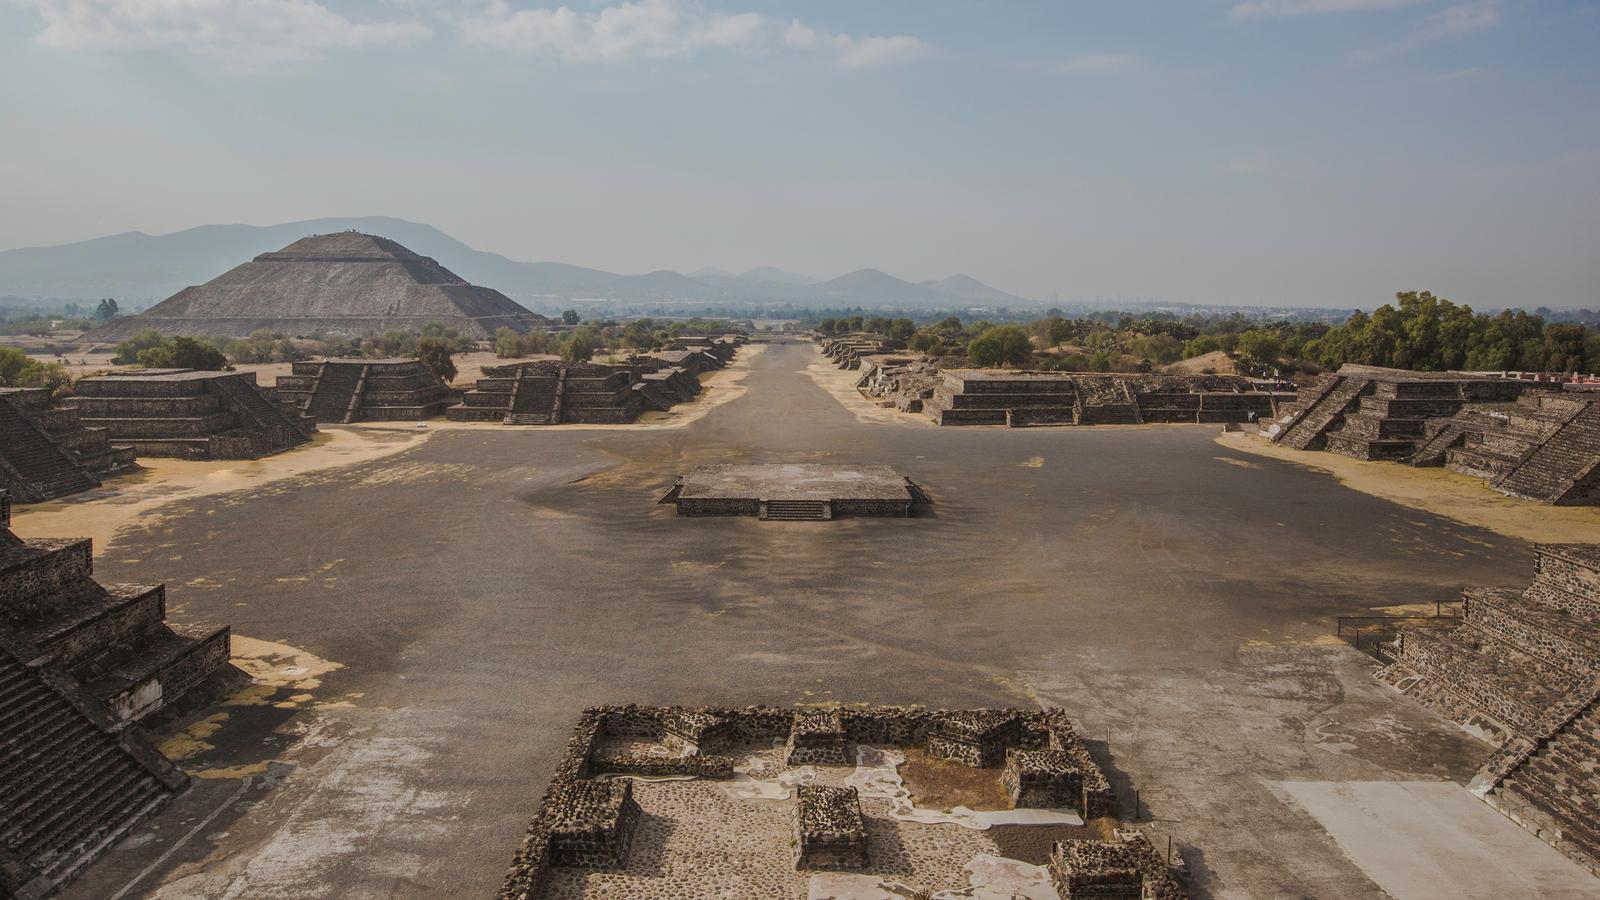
(1098,63)
(246,32)
(661,29)
(1274,9)
(1456,21)
(883,51)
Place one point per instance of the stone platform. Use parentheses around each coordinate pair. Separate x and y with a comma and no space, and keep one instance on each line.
(795,491)
(80,663)
(635,810)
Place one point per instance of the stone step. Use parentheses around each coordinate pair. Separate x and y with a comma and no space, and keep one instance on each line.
(797,510)
(1578,831)
(41,568)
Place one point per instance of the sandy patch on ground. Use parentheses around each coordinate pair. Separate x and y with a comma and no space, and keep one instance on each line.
(99,514)
(1217,361)
(718,387)
(1440,491)
(841,383)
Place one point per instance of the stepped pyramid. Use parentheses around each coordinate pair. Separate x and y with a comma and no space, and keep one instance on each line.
(1523,668)
(80,664)
(46,452)
(346,283)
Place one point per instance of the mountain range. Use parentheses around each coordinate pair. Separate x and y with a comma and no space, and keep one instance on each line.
(139,269)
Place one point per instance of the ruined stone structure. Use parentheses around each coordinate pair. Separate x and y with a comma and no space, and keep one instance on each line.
(828,830)
(346,283)
(362,390)
(1523,669)
(660,384)
(1124,868)
(1002,397)
(817,736)
(594,825)
(722,348)
(905,384)
(46,452)
(847,350)
(794,492)
(188,414)
(1545,446)
(80,663)
(550,392)
(1526,438)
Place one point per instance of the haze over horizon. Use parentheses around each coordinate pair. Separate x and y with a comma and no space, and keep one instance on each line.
(1267,152)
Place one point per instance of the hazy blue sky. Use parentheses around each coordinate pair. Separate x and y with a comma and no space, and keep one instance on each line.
(1325,152)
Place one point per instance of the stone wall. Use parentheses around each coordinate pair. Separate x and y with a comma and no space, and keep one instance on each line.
(1525,667)
(191,415)
(1125,867)
(697,731)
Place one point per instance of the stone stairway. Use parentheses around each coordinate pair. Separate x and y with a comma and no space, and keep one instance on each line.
(330,400)
(70,786)
(32,465)
(1524,668)
(1564,468)
(797,510)
(255,412)
(1322,413)
(1561,780)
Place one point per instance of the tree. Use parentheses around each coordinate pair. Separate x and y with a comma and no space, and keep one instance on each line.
(1200,346)
(902,329)
(1002,345)
(106,311)
(580,346)
(127,352)
(506,342)
(436,353)
(1563,349)
(183,353)
(641,334)
(17,369)
(924,341)
(570,317)
(1259,346)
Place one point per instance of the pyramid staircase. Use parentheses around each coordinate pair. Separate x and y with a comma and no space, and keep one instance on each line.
(1318,410)
(32,464)
(334,392)
(1523,668)
(75,776)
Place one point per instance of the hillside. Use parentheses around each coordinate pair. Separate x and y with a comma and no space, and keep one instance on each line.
(140,269)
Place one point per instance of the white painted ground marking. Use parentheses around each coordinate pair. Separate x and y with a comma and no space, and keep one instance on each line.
(1424,840)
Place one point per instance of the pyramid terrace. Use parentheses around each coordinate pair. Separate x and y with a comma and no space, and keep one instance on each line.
(80,662)
(188,414)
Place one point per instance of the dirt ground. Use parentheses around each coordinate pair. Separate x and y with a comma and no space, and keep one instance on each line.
(430,620)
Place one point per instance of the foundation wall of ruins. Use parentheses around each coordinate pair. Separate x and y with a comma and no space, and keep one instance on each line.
(761,726)
(24,583)
(1506,616)
(114,626)
(1566,583)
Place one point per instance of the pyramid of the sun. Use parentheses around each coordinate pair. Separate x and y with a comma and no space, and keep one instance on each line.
(346,283)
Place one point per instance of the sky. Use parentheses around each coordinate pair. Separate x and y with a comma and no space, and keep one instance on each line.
(1260,152)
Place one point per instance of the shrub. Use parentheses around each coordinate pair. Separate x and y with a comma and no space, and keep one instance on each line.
(1002,345)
